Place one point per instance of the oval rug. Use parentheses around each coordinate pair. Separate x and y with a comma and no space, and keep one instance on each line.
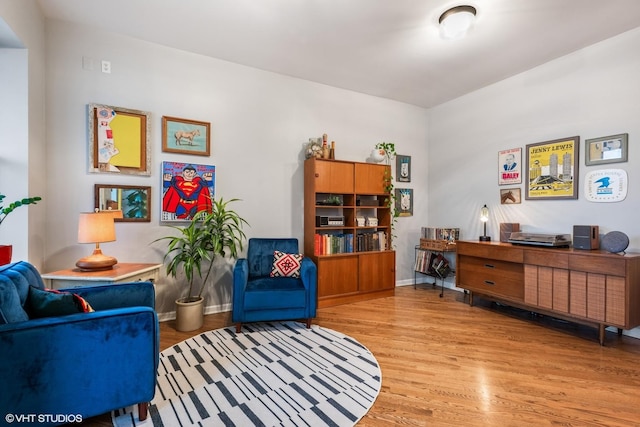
(272,374)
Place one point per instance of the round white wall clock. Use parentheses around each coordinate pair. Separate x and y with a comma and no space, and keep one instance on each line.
(606,185)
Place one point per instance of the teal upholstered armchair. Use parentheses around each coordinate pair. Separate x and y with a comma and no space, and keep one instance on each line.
(259,297)
(61,367)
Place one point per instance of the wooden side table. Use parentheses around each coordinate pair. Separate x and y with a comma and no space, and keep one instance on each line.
(121,273)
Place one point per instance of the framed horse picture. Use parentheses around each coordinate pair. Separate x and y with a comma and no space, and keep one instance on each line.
(186,136)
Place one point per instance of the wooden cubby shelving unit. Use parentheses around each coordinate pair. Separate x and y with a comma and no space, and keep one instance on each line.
(365,272)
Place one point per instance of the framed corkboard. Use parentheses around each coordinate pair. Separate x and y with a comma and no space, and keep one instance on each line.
(119,140)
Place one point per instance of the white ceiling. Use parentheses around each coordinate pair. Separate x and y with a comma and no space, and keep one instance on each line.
(386,48)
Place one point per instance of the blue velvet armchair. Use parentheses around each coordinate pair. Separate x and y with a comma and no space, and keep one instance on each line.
(58,369)
(257,297)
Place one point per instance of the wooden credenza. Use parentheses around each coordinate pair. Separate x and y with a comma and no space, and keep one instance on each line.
(591,287)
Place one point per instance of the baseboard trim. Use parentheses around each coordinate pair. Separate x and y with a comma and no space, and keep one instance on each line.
(212,309)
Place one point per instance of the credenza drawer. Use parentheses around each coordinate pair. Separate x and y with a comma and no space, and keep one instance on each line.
(490,276)
(491,251)
(611,264)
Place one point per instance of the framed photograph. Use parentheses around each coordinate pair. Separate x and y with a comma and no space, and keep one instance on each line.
(134,201)
(403,168)
(404,201)
(186,136)
(510,196)
(510,166)
(187,189)
(609,149)
(119,140)
(552,169)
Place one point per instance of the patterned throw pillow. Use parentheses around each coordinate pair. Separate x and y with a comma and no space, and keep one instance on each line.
(286,265)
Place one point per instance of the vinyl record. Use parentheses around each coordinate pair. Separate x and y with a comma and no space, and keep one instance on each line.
(615,241)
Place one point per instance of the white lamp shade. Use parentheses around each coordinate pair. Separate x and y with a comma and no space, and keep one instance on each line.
(96,228)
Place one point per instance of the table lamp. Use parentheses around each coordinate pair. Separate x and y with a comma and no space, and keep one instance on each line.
(484,217)
(97,227)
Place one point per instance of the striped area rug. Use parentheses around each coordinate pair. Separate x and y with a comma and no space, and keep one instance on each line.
(272,374)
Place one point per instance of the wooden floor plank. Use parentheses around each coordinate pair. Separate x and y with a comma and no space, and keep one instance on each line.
(445,363)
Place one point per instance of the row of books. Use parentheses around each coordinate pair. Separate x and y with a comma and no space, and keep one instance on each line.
(375,241)
(330,244)
(438,233)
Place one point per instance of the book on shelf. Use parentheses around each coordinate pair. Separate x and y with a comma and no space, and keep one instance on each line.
(330,244)
(422,261)
(371,241)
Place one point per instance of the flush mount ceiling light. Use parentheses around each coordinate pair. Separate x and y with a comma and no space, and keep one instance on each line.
(455,22)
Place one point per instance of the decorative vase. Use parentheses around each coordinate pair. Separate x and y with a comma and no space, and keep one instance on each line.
(189,314)
(378,155)
(5,254)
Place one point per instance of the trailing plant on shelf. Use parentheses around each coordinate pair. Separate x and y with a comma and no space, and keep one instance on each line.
(390,153)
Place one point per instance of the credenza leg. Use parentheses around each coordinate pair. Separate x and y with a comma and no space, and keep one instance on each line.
(601,329)
(619,332)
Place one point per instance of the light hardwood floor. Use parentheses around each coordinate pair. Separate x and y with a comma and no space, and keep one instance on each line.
(445,363)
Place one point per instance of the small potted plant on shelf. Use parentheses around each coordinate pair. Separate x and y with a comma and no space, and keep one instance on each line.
(207,236)
(389,149)
(6,250)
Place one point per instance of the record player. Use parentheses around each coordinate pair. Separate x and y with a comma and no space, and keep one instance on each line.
(536,239)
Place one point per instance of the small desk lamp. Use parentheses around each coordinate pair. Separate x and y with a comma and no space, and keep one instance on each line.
(97,227)
(484,217)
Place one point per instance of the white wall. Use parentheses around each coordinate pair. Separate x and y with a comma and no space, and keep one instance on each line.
(22,159)
(259,123)
(591,93)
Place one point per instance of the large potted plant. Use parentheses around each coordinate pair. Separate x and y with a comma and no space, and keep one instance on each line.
(6,250)
(193,251)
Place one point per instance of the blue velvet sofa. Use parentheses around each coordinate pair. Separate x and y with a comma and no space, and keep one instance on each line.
(60,369)
(258,297)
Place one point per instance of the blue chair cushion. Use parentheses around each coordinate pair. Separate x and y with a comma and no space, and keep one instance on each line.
(267,294)
(260,254)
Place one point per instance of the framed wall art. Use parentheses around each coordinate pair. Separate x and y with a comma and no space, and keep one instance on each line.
(119,140)
(403,168)
(187,189)
(510,166)
(606,185)
(552,169)
(609,149)
(510,196)
(186,136)
(134,201)
(404,201)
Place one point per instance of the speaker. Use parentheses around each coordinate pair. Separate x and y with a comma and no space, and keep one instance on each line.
(615,241)
(506,228)
(586,237)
